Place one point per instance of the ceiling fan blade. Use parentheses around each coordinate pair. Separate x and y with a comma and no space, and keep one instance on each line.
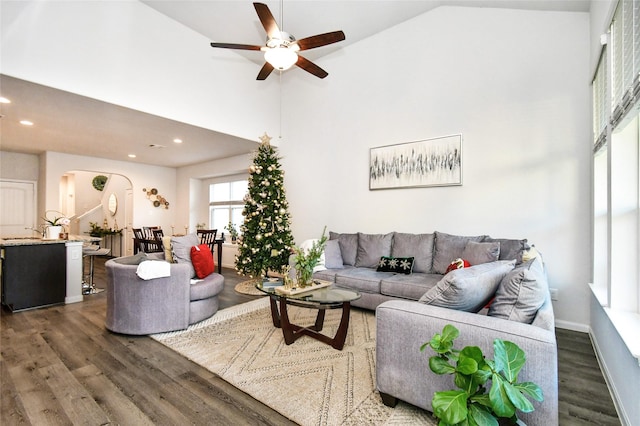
(320,40)
(236,46)
(267,19)
(265,71)
(310,67)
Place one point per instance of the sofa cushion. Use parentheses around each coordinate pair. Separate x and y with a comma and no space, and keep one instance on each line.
(409,286)
(348,246)
(361,279)
(399,265)
(202,260)
(521,293)
(330,274)
(418,246)
(468,289)
(447,248)
(181,249)
(332,255)
(206,288)
(371,247)
(509,249)
(477,253)
(136,259)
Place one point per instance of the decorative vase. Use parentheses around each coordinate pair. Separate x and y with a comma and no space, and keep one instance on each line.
(52,232)
(303,276)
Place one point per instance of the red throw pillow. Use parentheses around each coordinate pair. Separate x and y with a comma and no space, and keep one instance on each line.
(202,260)
(457,264)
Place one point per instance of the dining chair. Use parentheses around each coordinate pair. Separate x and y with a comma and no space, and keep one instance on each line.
(208,237)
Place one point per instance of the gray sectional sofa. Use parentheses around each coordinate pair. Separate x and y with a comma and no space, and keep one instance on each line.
(412,307)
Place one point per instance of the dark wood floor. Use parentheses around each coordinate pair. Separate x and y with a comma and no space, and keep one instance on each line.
(59,365)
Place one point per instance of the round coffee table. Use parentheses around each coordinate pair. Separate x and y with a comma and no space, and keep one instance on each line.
(331,297)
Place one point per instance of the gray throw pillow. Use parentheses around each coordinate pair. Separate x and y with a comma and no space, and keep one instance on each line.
(478,253)
(371,247)
(468,289)
(348,246)
(448,248)
(509,249)
(418,246)
(181,249)
(521,293)
(332,255)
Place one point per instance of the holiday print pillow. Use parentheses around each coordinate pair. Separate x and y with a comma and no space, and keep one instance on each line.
(400,265)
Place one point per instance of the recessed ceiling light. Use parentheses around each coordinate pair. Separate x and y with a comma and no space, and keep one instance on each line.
(176,140)
(132,156)
(26,123)
(155,145)
(4,100)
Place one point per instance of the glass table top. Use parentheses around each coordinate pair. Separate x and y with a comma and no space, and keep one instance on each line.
(326,295)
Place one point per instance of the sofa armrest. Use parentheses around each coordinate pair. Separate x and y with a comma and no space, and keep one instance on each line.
(402,371)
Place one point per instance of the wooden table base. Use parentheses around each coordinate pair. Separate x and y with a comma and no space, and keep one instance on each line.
(292,332)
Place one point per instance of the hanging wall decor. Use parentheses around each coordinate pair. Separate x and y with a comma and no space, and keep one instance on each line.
(157,199)
(431,162)
(99,181)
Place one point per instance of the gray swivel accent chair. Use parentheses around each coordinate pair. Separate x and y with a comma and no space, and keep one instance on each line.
(136,306)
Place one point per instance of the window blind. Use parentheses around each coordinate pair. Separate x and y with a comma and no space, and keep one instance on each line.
(625,59)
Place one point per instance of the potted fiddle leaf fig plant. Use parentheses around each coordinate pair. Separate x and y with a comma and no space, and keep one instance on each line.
(489,393)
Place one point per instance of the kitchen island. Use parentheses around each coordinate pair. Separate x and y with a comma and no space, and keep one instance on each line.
(38,272)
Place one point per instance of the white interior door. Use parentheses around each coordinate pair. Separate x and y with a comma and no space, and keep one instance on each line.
(17,208)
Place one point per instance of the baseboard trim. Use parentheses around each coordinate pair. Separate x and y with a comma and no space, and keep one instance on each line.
(622,415)
(73,299)
(573,326)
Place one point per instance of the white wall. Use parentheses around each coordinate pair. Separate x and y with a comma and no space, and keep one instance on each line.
(141,176)
(514,83)
(19,166)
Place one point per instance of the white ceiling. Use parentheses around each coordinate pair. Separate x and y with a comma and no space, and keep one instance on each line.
(75,124)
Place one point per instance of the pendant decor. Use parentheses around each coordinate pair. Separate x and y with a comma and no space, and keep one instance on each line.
(157,199)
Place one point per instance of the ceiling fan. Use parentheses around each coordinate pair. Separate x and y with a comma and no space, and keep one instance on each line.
(281,50)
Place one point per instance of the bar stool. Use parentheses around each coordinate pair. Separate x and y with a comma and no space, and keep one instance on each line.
(91,252)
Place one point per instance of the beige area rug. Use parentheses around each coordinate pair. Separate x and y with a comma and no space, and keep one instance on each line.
(248,287)
(309,382)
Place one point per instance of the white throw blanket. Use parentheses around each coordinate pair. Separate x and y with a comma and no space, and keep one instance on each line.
(150,269)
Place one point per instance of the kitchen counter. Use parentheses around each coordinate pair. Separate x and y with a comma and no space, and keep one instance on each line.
(29,241)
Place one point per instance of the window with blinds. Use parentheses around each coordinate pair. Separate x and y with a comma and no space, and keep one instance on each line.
(616,163)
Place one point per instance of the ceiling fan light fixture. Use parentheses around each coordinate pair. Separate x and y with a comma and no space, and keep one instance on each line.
(282,58)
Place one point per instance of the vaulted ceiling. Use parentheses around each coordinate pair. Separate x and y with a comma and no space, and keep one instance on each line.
(65,122)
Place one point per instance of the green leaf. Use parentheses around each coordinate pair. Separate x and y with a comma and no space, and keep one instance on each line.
(482,399)
(482,375)
(530,389)
(450,406)
(449,333)
(465,382)
(481,416)
(518,399)
(500,402)
(440,365)
(509,359)
(466,365)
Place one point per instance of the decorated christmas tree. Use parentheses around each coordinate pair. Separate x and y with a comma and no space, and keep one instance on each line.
(266,238)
